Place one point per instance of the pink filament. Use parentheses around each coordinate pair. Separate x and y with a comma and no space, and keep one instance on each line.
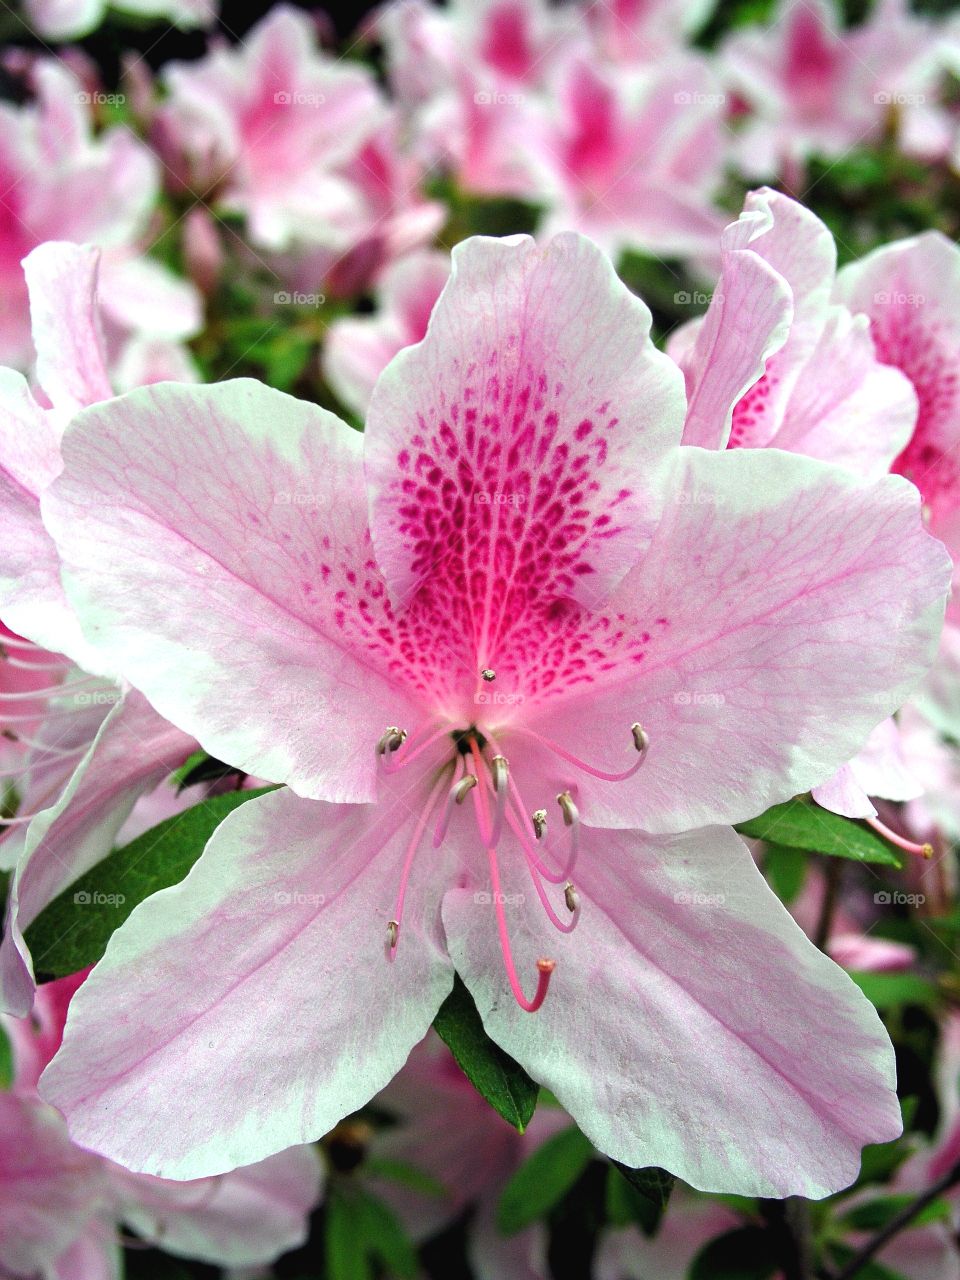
(394,761)
(408,861)
(446,813)
(565,926)
(544,967)
(581,764)
(901,842)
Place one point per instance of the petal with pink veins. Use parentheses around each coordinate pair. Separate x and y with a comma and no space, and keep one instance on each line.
(266,622)
(537,392)
(687,1020)
(285,914)
(778,680)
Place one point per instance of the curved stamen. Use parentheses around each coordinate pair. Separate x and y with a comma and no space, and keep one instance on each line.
(640,741)
(393,926)
(392,739)
(480,794)
(500,772)
(901,842)
(571,819)
(564,926)
(44,749)
(545,967)
(457,794)
(52,689)
(394,759)
(7,661)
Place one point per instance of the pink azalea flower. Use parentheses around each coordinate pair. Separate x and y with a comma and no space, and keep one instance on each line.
(359,348)
(300,143)
(61,1208)
(633,158)
(691,1222)
(641,31)
(70,19)
(60,182)
(815,89)
(91,752)
(776,363)
(517,564)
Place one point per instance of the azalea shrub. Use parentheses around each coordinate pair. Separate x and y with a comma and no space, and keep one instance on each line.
(479,675)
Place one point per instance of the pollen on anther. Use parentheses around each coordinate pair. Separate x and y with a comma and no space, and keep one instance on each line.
(539,820)
(488,674)
(570,897)
(393,933)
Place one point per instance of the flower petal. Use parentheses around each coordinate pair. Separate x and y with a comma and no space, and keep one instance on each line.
(536,391)
(216,548)
(298,1018)
(783,610)
(690,1023)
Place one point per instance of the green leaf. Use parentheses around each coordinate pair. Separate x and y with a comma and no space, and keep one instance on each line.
(638,1195)
(6,1059)
(405,1175)
(892,990)
(361,1231)
(493,1073)
(343,1221)
(543,1180)
(800,823)
(744,1254)
(73,931)
(875,1215)
(786,870)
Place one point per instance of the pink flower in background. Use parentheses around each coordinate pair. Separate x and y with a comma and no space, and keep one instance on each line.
(60,182)
(523,567)
(815,89)
(777,363)
(642,31)
(70,19)
(359,348)
(300,143)
(61,1208)
(633,158)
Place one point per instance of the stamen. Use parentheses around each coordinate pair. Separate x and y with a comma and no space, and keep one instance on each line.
(545,967)
(640,741)
(457,794)
(571,898)
(392,760)
(901,842)
(539,820)
(391,740)
(501,776)
(564,926)
(488,674)
(571,819)
(393,926)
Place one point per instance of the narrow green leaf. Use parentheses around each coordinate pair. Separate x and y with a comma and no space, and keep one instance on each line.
(73,931)
(543,1180)
(386,1240)
(493,1073)
(800,823)
(6,1059)
(405,1175)
(743,1254)
(346,1258)
(891,990)
(643,1194)
(786,870)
